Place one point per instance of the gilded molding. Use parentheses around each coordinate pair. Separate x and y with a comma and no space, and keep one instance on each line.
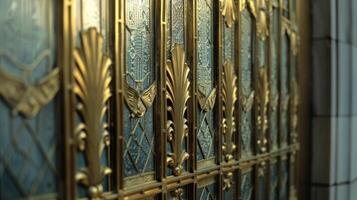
(227,181)
(262,20)
(229,97)
(250,4)
(92,88)
(262,99)
(295,42)
(177,194)
(26,99)
(227,8)
(177,84)
(207,103)
(140,103)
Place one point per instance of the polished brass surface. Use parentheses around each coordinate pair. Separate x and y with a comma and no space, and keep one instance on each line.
(229,96)
(92,87)
(262,101)
(262,19)
(207,102)
(28,99)
(228,12)
(95,93)
(178,86)
(139,103)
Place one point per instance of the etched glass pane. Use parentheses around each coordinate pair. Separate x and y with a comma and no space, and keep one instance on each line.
(246,57)
(284,175)
(273,181)
(176,23)
(284,86)
(29,148)
(138,125)
(228,43)
(205,74)
(91,13)
(246,187)
(228,194)
(274,93)
(207,192)
(261,185)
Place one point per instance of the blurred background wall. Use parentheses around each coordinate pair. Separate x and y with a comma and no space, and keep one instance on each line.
(334,100)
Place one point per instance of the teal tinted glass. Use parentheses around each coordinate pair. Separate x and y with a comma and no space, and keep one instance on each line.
(29,149)
(246,60)
(138,130)
(205,77)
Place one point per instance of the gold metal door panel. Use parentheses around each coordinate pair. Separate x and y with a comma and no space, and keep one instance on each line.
(166,99)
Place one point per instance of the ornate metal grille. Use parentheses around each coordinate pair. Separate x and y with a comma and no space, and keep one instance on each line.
(166,99)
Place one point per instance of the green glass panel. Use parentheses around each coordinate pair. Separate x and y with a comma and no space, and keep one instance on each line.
(273,116)
(246,57)
(139,131)
(29,148)
(273,181)
(207,192)
(284,89)
(175,23)
(246,186)
(284,176)
(205,75)
(261,185)
(228,43)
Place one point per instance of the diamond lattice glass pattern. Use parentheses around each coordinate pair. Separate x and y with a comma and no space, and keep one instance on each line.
(29,148)
(205,136)
(139,132)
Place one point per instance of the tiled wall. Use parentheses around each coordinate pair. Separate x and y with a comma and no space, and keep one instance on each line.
(334,62)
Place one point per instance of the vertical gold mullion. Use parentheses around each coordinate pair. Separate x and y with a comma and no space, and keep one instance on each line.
(66,62)
(119,60)
(191,55)
(160,103)
(219,105)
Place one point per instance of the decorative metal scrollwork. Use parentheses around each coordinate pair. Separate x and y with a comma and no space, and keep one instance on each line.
(177,194)
(28,99)
(227,181)
(228,12)
(295,42)
(92,88)
(207,102)
(229,94)
(251,6)
(262,20)
(140,103)
(178,85)
(262,100)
